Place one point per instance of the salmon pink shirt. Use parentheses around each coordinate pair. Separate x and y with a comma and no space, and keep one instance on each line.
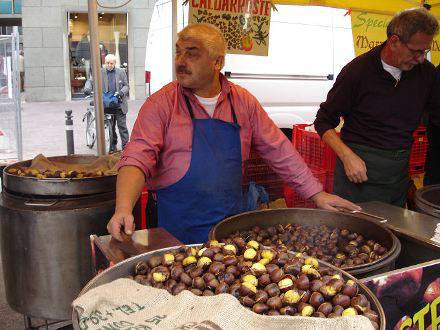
(161,141)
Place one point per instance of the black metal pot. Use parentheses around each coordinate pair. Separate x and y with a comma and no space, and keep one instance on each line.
(428,200)
(313,217)
(45,225)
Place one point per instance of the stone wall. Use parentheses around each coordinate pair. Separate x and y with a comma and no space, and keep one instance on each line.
(45,45)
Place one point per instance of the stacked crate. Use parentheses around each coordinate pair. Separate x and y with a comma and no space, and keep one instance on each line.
(418,151)
(318,156)
(257,170)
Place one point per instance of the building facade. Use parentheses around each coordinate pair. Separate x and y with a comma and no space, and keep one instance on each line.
(56,45)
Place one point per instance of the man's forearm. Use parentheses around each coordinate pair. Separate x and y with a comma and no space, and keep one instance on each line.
(334,141)
(129,185)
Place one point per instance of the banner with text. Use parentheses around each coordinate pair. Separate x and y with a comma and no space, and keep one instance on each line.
(370,30)
(244,23)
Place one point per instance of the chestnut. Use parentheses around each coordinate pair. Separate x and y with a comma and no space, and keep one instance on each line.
(260,308)
(179,287)
(338,309)
(209,293)
(302,282)
(305,309)
(199,283)
(216,268)
(222,287)
(349,312)
(350,288)
(248,289)
(212,284)
(274,302)
(291,297)
(272,290)
(247,301)
(186,279)
(360,302)
(276,275)
(326,308)
(288,310)
(141,268)
(316,299)
(342,300)
(261,296)
(197,292)
(271,267)
(318,314)
(264,280)
(273,312)
(195,272)
(315,285)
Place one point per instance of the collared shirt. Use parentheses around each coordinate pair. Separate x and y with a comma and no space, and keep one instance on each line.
(379,111)
(111,75)
(161,141)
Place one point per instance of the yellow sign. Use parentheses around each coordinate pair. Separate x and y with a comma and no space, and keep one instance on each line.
(435,50)
(244,23)
(369,30)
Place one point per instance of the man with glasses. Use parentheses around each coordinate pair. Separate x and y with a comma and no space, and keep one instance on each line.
(381,96)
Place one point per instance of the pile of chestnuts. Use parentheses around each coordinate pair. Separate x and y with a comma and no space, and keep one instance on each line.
(28,172)
(265,280)
(340,247)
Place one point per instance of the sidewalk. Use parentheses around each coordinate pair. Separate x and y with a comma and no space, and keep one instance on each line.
(44,132)
(43,126)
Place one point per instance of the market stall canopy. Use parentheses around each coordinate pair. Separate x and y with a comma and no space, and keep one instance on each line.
(379,6)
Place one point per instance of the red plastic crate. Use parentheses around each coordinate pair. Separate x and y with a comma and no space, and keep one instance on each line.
(418,151)
(313,150)
(293,199)
(256,169)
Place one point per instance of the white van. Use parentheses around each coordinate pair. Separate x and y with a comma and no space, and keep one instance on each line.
(304,41)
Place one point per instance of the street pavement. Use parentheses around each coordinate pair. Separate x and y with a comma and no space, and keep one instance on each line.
(44,132)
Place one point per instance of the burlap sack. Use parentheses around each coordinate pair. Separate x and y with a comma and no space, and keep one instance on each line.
(125,304)
(107,164)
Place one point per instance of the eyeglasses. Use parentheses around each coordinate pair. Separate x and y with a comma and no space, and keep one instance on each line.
(415,52)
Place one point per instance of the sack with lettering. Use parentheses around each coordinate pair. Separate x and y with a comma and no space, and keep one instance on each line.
(125,304)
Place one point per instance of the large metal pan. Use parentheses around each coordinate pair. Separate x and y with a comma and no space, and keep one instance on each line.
(126,267)
(312,217)
(428,200)
(58,187)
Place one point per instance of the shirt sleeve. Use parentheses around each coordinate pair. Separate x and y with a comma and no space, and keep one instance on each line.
(338,103)
(146,139)
(433,105)
(271,144)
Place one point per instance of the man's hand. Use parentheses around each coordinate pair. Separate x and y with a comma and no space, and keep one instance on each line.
(121,221)
(118,96)
(355,168)
(331,202)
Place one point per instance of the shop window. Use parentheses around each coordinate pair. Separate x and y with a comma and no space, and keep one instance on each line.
(112,32)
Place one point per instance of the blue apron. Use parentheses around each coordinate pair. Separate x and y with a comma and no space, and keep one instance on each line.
(211,188)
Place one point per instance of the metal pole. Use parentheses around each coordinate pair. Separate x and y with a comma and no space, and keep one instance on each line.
(16,89)
(69,132)
(174,36)
(96,74)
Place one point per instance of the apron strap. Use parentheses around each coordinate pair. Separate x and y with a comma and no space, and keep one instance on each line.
(191,113)
(189,107)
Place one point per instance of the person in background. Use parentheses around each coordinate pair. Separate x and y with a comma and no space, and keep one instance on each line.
(381,95)
(432,165)
(190,139)
(114,82)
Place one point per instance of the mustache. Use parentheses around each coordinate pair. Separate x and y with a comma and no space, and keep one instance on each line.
(183,69)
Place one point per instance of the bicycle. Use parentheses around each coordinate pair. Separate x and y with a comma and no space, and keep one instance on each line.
(89,118)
